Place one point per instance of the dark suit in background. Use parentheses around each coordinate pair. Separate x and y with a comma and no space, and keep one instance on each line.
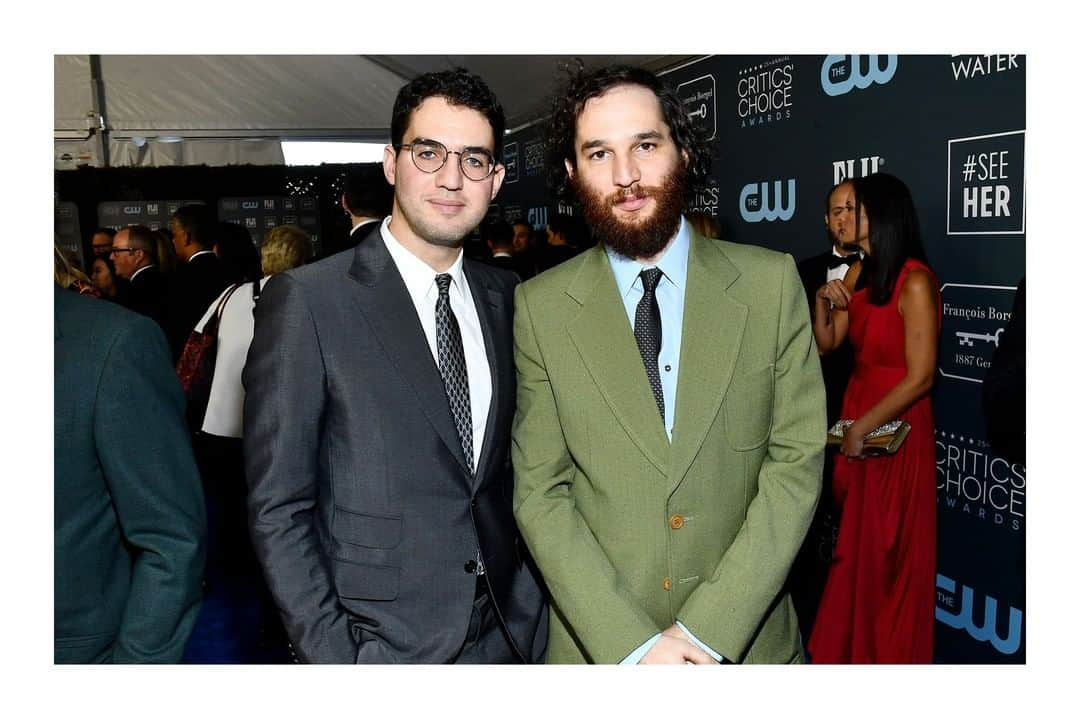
(148,294)
(811,567)
(363,511)
(196,284)
(129,521)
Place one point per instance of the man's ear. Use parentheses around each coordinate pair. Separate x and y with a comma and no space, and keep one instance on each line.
(498,176)
(570,168)
(389,165)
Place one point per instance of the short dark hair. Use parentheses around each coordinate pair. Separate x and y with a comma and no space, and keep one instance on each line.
(894,232)
(366,191)
(581,86)
(199,223)
(458,87)
(104,230)
(498,232)
(142,237)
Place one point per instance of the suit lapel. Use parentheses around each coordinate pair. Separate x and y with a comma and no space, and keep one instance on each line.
(605,340)
(381,296)
(489,308)
(713,325)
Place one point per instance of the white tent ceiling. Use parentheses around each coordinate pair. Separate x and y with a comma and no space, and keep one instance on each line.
(236,108)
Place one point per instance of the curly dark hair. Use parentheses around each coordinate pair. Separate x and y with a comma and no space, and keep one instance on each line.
(580,86)
(458,87)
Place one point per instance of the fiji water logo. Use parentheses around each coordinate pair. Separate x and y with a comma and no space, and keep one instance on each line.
(964,620)
(841,73)
(757,204)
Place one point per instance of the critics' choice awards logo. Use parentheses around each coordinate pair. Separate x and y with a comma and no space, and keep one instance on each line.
(706,200)
(960,607)
(698,97)
(965,67)
(971,479)
(840,74)
(764,92)
(767,201)
(986,184)
(534,158)
(510,162)
(973,319)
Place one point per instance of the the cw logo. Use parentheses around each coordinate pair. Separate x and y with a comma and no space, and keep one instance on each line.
(754,204)
(986,632)
(855,78)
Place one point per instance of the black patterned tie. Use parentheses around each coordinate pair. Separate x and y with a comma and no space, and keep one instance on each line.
(648,334)
(452,366)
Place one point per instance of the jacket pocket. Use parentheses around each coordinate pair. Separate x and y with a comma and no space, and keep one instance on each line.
(365,582)
(748,409)
(368,530)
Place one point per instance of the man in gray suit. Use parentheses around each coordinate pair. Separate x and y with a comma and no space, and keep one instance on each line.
(380,391)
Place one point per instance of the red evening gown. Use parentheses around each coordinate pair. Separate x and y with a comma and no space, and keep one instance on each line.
(878,603)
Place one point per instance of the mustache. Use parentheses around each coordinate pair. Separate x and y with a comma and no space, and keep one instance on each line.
(635,191)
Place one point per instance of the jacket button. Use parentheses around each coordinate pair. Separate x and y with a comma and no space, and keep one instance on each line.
(667,584)
(470,566)
(676,522)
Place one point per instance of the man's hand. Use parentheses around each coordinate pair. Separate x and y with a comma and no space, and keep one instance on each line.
(675,651)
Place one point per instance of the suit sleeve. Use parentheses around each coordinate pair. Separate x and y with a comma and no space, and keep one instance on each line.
(145,453)
(584,585)
(725,611)
(285,384)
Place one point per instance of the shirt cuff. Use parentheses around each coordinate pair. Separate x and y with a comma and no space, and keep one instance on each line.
(640,651)
(716,656)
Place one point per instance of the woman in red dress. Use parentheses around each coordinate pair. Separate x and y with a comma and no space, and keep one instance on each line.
(878,603)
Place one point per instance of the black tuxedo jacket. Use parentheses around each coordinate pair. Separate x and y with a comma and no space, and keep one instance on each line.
(836,367)
(148,294)
(363,512)
(195,285)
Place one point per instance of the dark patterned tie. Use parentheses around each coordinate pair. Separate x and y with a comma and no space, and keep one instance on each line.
(452,366)
(648,334)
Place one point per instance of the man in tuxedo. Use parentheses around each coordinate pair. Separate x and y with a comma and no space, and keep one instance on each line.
(811,568)
(498,236)
(129,522)
(199,279)
(380,390)
(134,254)
(364,198)
(670,424)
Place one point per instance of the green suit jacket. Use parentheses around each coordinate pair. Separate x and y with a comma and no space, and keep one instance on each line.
(632,532)
(129,521)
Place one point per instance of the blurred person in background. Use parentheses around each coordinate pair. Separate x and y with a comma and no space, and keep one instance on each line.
(104,277)
(237,252)
(239,623)
(878,604)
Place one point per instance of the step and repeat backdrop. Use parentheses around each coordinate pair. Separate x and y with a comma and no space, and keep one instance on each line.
(783,130)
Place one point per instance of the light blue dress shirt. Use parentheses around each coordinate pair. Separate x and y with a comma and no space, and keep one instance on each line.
(670,296)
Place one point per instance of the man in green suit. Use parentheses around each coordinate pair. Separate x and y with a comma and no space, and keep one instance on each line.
(670,425)
(129,522)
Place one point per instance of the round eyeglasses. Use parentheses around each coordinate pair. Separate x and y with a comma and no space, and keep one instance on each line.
(429,156)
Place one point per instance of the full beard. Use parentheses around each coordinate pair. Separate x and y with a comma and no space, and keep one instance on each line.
(644,238)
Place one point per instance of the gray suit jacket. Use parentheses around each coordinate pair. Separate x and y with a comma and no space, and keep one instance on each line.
(363,511)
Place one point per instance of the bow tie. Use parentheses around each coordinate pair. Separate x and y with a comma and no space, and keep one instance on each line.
(849,260)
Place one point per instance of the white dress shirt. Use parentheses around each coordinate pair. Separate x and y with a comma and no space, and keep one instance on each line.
(420,282)
(837,272)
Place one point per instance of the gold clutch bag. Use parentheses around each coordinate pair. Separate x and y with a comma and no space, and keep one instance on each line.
(884,440)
